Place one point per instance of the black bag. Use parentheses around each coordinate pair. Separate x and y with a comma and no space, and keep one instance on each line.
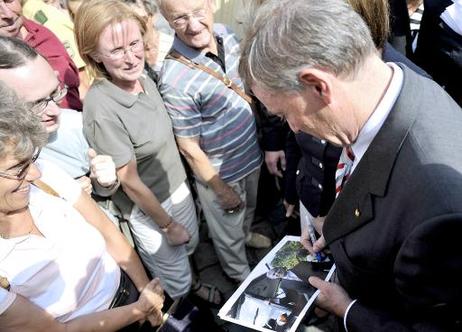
(185,316)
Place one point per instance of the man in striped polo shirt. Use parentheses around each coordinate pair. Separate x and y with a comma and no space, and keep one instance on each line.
(215,128)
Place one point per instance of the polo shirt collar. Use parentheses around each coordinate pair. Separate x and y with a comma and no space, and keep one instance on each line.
(121,96)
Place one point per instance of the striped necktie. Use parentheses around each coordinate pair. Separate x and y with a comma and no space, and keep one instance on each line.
(343,169)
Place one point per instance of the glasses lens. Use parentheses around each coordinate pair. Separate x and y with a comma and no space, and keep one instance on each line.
(23,171)
(40,107)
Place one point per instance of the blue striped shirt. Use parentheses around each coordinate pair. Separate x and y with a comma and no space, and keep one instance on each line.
(202,106)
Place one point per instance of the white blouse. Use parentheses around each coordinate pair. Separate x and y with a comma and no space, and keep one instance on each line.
(67,272)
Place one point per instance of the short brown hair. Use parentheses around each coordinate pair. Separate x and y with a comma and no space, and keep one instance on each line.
(92,18)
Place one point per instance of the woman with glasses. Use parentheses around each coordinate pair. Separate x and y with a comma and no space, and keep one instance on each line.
(124,117)
(63,265)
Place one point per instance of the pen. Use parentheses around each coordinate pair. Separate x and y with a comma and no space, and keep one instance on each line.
(312,237)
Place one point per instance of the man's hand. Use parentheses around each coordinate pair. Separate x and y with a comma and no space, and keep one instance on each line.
(85,184)
(332,297)
(177,234)
(228,199)
(102,168)
(305,239)
(273,159)
(315,247)
(289,208)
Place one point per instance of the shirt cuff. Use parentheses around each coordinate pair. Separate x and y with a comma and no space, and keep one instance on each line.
(346,314)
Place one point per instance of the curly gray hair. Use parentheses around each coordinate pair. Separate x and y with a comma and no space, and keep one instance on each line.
(20,129)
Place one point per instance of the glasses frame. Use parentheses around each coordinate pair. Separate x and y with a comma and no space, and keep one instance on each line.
(39,107)
(198,14)
(123,51)
(23,170)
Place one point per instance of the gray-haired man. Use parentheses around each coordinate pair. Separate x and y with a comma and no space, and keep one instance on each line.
(392,228)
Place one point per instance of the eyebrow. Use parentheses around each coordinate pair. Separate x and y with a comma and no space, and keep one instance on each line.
(45,98)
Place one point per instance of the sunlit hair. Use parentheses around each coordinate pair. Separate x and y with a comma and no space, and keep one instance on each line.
(285,36)
(92,18)
(21,132)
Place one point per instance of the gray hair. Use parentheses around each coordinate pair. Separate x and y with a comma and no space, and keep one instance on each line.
(15,53)
(149,5)
(20,129)
(285,36)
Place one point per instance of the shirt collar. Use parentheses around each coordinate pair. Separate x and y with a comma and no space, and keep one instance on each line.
(378,117)
(121,96)
(193,54)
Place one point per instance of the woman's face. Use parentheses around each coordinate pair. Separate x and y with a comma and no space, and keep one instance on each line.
(121,51)
(15,181)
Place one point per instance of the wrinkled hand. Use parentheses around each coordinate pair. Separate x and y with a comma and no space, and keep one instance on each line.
(228,199)
(289,208)
(151,301)
(102,168)
(315,247)
(332,297)
(85,184)
(273,160)
(305,239)
(177,234)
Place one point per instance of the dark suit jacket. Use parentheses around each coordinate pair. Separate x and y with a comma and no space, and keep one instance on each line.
(395,229)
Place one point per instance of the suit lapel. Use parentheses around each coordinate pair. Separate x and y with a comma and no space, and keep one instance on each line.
(354,206)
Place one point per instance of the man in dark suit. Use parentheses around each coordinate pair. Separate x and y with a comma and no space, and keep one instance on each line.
(394,227)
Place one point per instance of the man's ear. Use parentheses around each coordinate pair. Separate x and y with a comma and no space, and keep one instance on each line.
(317,80)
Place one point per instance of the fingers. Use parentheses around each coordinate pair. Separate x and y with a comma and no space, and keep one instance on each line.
(306,242)
(289,210)
(273,159)
(283,161)
(320,244)
(102,169)
(85,184)
(91,153)
(317,282)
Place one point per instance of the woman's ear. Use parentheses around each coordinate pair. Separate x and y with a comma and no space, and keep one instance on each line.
(95,58)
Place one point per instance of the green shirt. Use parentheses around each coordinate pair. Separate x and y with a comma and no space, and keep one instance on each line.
(128,126)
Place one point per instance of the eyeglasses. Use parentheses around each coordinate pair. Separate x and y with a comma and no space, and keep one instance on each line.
(182,21)
(20,171)
(118,53)
(40,106)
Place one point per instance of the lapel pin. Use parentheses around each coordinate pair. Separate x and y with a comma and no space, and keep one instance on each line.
(357,213)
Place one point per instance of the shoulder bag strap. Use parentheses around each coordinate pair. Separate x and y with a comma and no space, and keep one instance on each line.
(44,187)
(223,78)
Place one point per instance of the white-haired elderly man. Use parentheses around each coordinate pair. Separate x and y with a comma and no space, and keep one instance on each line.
(392,227)
(214,127)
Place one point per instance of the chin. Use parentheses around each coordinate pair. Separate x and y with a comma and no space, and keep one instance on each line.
(200,41)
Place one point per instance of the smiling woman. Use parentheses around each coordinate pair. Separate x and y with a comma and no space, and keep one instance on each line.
(124,117)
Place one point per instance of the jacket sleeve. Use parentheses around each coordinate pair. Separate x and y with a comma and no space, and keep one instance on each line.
(427,275)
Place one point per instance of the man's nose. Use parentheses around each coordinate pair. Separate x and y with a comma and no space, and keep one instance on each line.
(194,24)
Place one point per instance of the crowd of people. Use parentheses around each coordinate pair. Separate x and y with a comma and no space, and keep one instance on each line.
(353,104)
